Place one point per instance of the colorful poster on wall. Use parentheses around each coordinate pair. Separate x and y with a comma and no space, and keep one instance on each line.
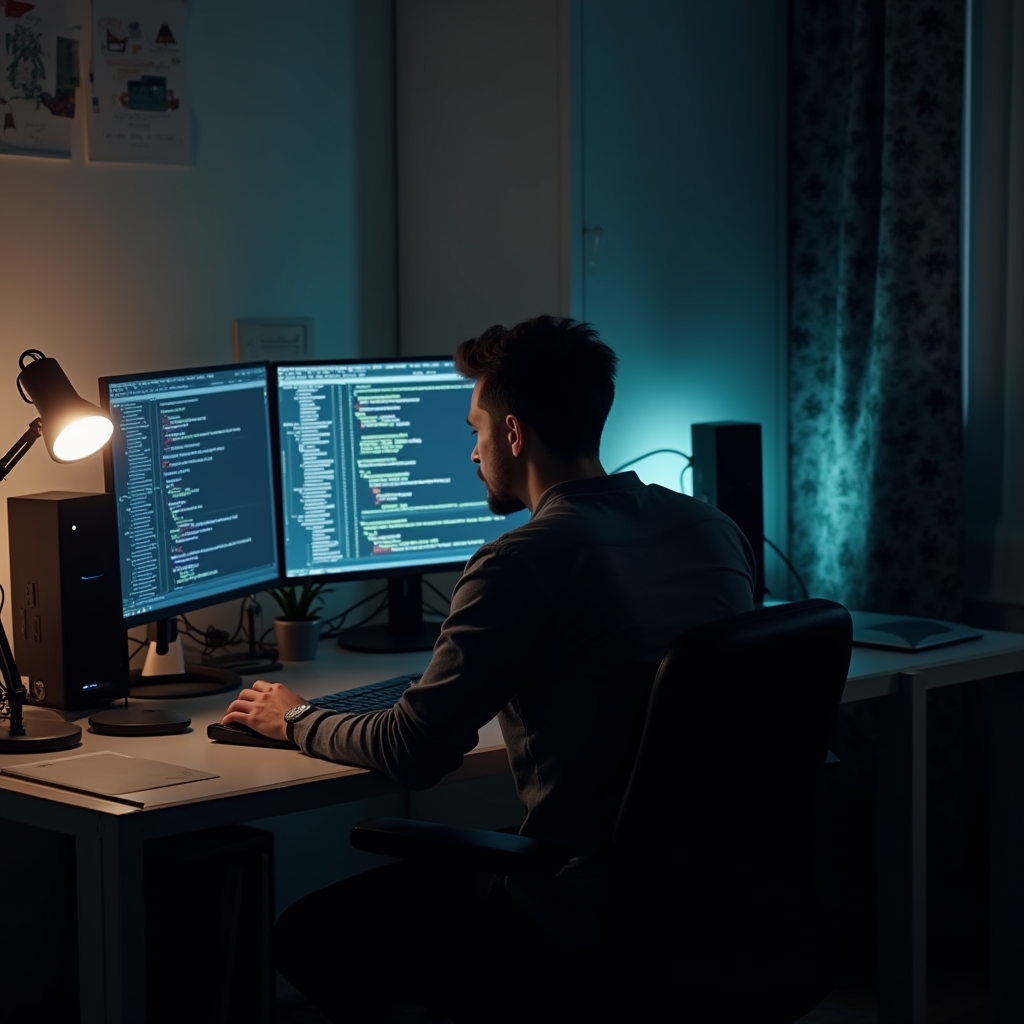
(39,80)
(137,110)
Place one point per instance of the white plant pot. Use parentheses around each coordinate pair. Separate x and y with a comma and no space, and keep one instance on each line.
(297,639)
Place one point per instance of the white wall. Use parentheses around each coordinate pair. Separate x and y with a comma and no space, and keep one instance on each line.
(288,210)
(671,137)
(682,166)
(482,129)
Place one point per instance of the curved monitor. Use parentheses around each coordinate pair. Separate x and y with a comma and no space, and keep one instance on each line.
(376,478)
(191,467)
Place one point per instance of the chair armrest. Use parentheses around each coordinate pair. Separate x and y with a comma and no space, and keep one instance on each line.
(475,848)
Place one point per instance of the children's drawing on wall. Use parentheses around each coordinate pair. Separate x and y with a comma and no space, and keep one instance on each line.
(137,111)
(39,78)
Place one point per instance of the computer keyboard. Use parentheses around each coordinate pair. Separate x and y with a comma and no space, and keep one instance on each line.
(372,697)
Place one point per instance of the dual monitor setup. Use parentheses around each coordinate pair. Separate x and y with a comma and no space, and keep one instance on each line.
(228,480)
(225,481)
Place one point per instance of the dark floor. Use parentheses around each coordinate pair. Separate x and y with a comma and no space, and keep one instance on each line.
(954,999)
(295,1010)
(958,997)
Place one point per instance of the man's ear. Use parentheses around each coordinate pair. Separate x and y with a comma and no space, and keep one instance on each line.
(516,437)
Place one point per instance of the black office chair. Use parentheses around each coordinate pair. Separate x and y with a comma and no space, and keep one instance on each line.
(716,904)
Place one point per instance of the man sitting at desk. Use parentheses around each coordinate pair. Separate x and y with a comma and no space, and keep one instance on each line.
(548,625)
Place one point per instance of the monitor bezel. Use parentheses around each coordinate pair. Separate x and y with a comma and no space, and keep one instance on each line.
(183,607)
(352,575)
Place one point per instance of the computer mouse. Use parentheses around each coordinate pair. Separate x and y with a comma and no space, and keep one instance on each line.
(242,735)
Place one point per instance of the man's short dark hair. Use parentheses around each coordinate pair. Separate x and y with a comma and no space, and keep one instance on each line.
(553,373)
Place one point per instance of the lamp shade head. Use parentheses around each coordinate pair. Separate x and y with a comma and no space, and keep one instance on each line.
(72,427)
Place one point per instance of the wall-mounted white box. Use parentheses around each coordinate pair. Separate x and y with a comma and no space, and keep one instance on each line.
(273,338)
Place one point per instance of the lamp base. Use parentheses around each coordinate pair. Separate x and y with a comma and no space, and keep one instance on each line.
(139,722)
(42,736)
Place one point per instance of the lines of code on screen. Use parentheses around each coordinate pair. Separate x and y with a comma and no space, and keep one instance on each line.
(375,468)
(192,472)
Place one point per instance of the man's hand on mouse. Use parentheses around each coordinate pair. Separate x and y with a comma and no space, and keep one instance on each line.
(262,708)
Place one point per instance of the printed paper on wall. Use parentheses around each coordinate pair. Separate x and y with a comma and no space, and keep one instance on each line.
(40,78)
(137,108)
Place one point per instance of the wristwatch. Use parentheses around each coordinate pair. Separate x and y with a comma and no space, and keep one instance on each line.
(292,715)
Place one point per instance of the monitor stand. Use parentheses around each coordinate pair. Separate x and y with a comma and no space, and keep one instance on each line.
(405,630)
(165,676)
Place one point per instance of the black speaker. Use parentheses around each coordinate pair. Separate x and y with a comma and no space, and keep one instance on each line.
(69,636)
(727,474)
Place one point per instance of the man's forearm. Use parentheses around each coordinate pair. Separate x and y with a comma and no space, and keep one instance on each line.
(386,741)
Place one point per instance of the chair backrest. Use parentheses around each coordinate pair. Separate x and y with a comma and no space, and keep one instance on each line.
(715,835)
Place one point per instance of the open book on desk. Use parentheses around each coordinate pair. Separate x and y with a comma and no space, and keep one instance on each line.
(906,632)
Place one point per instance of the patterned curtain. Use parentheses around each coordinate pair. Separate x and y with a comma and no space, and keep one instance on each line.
(874,307)
(875,408)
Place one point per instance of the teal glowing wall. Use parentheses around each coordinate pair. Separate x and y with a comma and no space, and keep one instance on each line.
(679,159)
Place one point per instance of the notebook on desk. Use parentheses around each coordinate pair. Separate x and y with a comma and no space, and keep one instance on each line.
(108,774)
(906,633)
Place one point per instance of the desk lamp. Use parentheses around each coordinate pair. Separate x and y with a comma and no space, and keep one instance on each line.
(71,429)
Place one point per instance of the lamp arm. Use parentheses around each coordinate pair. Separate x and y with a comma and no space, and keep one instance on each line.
(22,445)
(13,689)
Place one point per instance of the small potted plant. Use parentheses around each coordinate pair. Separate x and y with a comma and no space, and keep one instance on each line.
(297,628)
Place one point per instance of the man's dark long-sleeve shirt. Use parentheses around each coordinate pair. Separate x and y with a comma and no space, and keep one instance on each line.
(546,628)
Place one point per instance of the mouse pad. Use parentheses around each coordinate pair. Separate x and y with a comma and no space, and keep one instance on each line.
(106,773)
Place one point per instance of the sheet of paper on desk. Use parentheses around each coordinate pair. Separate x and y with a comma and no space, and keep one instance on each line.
(106,773)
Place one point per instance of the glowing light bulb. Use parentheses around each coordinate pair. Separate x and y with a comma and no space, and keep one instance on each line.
(82,438)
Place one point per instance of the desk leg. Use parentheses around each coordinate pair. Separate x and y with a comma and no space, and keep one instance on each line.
(901,854)
(111,925)
(1007,894)
(91,982)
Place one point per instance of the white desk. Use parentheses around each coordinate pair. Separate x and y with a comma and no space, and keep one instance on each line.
(257,782)
(906,680)
(252,783)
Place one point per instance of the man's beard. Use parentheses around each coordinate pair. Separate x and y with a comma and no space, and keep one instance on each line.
(501,504)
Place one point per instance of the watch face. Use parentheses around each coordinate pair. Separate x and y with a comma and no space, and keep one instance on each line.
(296,712)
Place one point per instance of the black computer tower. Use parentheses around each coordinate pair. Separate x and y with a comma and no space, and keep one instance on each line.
(69,635)
(727,474)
